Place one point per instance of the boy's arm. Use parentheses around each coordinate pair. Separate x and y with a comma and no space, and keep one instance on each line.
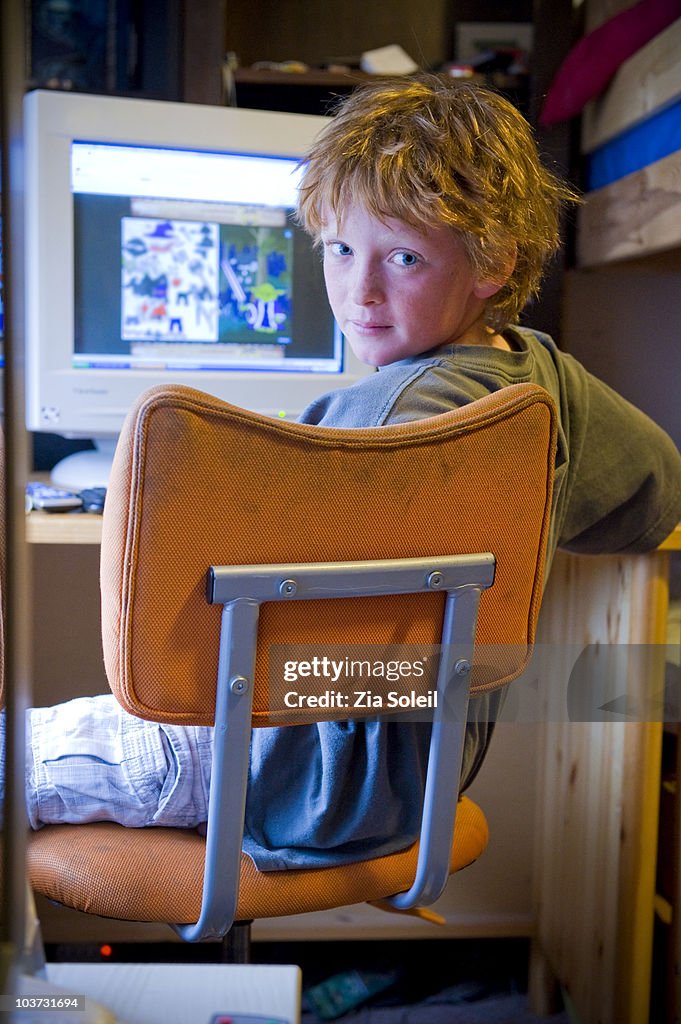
(622,487)
(618,474)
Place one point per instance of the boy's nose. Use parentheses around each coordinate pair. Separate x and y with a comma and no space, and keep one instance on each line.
(366,288)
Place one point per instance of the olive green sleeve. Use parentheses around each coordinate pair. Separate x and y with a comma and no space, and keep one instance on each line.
(622,486)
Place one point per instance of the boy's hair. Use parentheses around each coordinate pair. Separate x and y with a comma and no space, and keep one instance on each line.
(431,151)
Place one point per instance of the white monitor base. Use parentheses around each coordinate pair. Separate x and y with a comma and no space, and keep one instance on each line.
(85,469)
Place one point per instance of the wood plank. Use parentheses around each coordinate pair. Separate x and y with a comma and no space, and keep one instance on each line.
(598,797)
(645,83)
(632,217)
(63,528)
(649,601)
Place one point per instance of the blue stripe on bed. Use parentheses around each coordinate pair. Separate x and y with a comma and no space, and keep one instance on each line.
(643,144)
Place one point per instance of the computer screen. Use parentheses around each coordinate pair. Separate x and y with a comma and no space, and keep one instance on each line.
(162,247)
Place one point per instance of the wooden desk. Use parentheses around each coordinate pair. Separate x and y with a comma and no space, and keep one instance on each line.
(63,528)
(598,795)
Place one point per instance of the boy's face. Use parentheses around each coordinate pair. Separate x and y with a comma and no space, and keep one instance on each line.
(397,292)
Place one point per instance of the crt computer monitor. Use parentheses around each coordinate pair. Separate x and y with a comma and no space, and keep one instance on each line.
(161,246)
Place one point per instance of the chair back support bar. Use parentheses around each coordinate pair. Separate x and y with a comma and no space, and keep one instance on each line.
(347,579)
(229,772)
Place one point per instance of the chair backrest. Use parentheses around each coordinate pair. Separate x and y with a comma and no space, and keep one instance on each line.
(197,482)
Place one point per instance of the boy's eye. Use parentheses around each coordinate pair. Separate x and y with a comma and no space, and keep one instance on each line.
(340,249)
(406,259)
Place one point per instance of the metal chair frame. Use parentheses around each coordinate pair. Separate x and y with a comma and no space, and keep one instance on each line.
(242,590)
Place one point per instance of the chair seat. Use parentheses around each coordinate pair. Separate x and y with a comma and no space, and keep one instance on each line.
(157,874)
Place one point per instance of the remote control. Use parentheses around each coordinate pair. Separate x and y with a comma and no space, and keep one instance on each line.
(47,498)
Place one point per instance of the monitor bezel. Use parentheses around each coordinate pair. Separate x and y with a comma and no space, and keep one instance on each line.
(84,402)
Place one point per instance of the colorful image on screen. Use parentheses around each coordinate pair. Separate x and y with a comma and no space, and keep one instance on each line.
(170,274)
(257,271)
(197,281)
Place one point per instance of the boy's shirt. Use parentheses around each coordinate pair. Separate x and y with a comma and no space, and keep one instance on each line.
(617,485)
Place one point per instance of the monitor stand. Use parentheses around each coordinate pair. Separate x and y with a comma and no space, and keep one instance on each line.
(85,469)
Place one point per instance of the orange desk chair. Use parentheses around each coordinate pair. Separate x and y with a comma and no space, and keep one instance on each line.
(305,536)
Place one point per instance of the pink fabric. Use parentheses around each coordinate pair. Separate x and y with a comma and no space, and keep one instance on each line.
(591,64)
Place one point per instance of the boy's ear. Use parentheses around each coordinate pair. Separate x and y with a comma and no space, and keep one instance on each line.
(486,288)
